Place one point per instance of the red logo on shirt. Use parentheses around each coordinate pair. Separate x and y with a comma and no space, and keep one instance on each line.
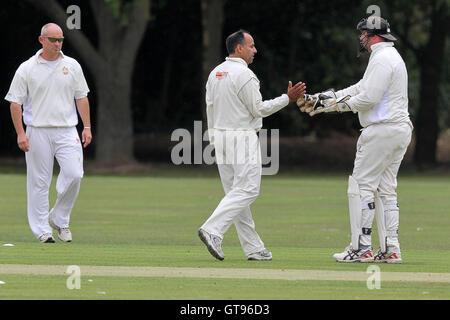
(221,75)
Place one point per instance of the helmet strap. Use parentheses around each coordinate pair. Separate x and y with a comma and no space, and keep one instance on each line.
(363,44)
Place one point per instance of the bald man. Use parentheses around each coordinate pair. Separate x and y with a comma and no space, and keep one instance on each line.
(45,93)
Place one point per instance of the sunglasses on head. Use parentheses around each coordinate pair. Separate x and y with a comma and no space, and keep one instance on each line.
(53,40)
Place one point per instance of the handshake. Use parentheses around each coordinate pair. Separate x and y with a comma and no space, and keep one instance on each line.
(323,102)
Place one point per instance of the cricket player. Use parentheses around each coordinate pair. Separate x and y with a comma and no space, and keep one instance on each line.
(381,100)
(50,86)
(235,110)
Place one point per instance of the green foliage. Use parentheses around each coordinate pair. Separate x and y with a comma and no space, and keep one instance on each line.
(311,41)
(121,9)
(411,21)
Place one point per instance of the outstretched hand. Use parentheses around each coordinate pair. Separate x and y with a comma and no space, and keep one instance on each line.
(295,92)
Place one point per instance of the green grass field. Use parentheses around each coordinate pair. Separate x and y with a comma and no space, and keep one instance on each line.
(152,221)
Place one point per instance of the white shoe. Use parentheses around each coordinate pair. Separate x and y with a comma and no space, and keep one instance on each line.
(47,238)
(350,255)
(213,243)
(388,257)
(64,234)
(261,255)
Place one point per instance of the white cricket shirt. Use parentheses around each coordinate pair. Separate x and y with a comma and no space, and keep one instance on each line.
(47,90)
(233,99)
(382,94)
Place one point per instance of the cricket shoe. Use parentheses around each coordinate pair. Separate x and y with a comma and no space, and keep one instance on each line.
(64,234)
(47,238)
(350,255)
(260,255)
(213,243)
(388,257)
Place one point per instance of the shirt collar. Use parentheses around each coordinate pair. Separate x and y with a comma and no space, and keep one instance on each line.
(39,59)
(378,46)
(239,60)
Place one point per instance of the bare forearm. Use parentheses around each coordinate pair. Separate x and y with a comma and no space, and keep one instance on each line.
(84,111)
(16,115)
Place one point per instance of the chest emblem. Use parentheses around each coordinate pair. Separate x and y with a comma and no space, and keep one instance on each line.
(65,70)
(221,75)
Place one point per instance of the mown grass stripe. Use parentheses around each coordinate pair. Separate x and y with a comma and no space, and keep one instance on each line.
(232,273)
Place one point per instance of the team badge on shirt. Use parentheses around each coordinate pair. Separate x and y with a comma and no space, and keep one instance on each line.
(65,70)
(221,75)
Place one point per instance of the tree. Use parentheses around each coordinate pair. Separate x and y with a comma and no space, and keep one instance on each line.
(121,26)
(431,66)
(212,23)
(430,23)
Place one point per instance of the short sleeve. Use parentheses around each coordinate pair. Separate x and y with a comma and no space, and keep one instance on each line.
(18,91)
(81,87)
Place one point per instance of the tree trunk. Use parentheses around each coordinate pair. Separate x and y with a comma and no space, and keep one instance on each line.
(212,23)
(114,141)
(118,43)
(431,66)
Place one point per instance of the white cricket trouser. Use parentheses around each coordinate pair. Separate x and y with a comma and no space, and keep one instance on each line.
(239,165)
(380,151)
(46,144)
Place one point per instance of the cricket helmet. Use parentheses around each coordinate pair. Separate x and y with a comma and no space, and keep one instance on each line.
(376,26)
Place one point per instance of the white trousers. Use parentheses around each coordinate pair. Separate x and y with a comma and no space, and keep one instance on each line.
(380,151)
(241,182)
(46,144)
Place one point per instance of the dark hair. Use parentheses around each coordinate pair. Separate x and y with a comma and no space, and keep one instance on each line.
(234,39)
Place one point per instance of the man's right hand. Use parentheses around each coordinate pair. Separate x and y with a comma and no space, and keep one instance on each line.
(295,92)
(23,142)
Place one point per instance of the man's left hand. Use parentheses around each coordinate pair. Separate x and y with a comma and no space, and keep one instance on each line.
(86,137)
